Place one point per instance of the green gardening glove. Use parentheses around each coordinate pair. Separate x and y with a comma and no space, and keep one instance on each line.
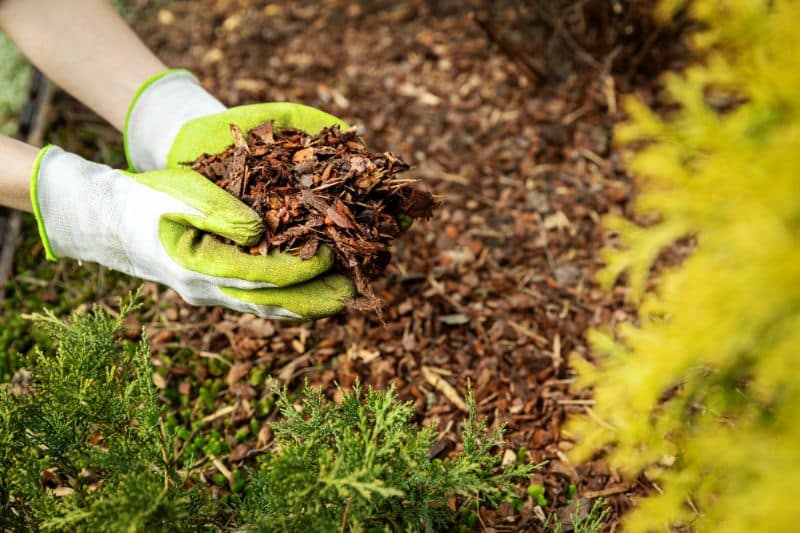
(173,121)
(158,225)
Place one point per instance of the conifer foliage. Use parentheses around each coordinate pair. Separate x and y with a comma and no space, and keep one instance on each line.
(703,392)
(81,440)
(83,447)
(363,463)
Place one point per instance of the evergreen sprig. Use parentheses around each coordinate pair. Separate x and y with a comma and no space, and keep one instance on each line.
(700,391)
(363,464)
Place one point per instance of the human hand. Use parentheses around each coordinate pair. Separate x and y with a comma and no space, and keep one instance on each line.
(158,225)
(173,120)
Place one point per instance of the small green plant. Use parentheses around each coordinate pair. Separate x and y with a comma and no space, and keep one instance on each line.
(572,491)
(81,439)
(537,493)
(362,464)
(592,522)
(85,445)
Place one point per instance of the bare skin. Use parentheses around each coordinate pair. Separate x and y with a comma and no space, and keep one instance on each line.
(86,48)
(16,160)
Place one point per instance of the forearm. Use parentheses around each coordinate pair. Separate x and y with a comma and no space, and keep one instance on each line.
(85,47)
(16,163)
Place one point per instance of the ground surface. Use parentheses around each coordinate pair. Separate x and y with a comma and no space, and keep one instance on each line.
(497,288)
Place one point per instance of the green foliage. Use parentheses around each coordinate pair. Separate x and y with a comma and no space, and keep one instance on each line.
(537,493)
(591,523)
(81,445)
(61,286)
(702,392)
(85,446)
(15,78)
(363,465)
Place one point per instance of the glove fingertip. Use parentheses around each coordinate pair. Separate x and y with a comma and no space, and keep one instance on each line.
(311,300)
(244,231)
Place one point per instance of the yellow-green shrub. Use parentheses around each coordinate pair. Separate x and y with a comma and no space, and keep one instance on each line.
(704,392)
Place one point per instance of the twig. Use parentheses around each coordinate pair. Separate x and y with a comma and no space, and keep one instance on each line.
(575,402)
(558,27)
(512,51)
(223,411)
(344,515)
(222,469)
(212,355)
(609,491)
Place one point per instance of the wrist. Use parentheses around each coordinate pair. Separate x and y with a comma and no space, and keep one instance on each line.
(157,113)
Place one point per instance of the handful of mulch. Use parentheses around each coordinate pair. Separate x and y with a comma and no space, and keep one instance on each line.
(325,188)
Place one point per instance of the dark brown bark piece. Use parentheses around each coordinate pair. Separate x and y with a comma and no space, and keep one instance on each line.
(309,249)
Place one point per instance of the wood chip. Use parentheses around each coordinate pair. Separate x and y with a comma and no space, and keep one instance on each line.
(159,381)
(327,189)
(438,383)
(236,372)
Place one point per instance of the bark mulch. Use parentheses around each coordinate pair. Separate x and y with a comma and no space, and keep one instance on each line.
(497,287)
(327,189)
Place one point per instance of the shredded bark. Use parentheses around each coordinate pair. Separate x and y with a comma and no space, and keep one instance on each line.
(321,189)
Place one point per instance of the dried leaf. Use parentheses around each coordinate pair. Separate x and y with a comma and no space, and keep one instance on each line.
(309,249)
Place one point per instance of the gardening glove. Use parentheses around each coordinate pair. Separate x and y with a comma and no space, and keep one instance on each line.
(173,120)
(158,225)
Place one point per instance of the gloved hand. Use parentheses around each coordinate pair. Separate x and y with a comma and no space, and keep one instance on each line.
(156,225)
(173,120)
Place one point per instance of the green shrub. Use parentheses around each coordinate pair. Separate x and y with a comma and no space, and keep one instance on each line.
(702,391)
(363,464)
(84,446)
(81,445)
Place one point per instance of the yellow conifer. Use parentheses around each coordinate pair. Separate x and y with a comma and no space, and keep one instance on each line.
(703,393)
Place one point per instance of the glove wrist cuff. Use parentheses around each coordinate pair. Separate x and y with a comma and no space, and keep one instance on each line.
(72,204)
(37,211)
(161,106)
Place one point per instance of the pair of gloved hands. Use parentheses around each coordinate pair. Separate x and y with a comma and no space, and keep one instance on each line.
(155,221)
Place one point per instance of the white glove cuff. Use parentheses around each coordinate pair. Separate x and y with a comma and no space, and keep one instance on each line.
(160,108)
(70,198)
(92,212)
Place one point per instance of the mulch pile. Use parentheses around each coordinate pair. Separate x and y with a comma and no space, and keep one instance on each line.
(498,286)
(321,189)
